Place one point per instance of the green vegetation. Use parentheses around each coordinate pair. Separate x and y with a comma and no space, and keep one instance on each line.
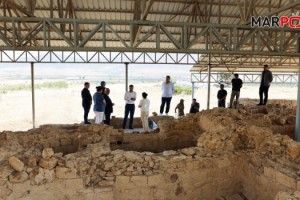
(46,85)
(225,77)
(182,90)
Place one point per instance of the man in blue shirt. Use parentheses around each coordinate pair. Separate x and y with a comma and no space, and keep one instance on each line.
(99,105)
(237,84)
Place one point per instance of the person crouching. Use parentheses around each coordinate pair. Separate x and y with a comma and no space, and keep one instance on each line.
(99,105)
(144,106)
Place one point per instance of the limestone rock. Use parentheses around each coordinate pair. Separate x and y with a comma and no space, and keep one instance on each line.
(47,153)
(5,169)
(170,153)
(18,177)
(65,173)
(291,120)
(293,149)
(48,163)
(133,156)
(16,164)
(32,161)
(188,151)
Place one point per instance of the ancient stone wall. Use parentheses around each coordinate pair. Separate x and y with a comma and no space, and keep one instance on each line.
(215,154)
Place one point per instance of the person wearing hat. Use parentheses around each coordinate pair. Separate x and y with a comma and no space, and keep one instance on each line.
(266,79)
(144,106)
(99,105)
(180,108)
(237,84)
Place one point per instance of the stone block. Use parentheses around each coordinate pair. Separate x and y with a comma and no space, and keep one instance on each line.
(48,163)
(18,177)
(270,172)
(16,164)
(222,163)
(139,181)
(32,161)
(155,180)
(47,153)
(65,173)
(122,180)
(285,180)
(293,149)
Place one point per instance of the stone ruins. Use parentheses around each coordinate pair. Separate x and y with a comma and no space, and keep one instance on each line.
(222,154)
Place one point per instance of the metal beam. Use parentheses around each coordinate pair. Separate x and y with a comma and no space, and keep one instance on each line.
(297,129)
(32,94)
(126,76)
(208,84)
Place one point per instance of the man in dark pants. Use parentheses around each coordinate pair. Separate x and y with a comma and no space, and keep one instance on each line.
(266,79)
(130,97)
(167,93)
(86,101)
(108,107)
(222,94)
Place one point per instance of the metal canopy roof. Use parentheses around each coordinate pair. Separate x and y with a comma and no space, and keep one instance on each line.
(200,27)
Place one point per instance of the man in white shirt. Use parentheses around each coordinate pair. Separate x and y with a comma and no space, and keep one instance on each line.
(144,106)
(130,97)
(167,93)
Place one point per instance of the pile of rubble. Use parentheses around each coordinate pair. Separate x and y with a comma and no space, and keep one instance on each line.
(214,154)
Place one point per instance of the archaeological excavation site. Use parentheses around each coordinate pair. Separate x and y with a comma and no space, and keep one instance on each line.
(221,154)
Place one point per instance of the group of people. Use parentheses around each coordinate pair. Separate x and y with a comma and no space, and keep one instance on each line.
(237,84)
(103,106)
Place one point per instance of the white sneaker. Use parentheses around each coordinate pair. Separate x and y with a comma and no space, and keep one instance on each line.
(167,114)
(160,114)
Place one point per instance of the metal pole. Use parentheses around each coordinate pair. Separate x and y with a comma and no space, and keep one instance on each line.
(297,130)
(298,110)
(193,89)
(126,76)
(32,95)
(208,82)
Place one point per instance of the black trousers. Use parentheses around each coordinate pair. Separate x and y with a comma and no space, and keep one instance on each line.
(165,100)
(263,90)
(107,118)
(86,108)
(129,108)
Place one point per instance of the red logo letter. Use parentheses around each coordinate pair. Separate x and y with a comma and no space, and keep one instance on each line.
(283,20)
(291,22)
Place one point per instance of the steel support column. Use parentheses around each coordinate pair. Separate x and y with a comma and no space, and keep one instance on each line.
(32,95)
(126,76)
(297,130)
(193,90)
(208,84)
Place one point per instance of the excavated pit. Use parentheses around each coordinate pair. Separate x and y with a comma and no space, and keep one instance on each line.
(216,154)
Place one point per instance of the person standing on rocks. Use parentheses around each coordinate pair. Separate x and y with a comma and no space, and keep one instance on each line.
(99,105)
(144,106)
(167,93)
(108,107)
(266,79)
(195,106)
(86,101)
(180,108)
(222,94)
(237,84)
(130,97)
